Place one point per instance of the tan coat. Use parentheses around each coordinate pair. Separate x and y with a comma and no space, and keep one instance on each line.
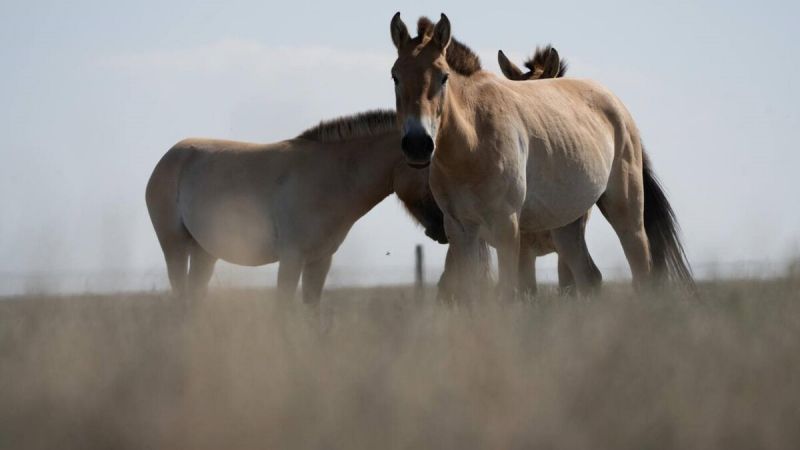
(510,158)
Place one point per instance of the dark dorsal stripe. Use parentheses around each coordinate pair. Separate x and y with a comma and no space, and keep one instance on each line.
(355,126)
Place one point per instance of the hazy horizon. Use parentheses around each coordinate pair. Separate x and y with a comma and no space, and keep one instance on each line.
(95,93)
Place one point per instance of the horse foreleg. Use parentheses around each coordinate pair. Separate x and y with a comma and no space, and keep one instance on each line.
(507,241)
(485,268)
(449,280)
(462,269)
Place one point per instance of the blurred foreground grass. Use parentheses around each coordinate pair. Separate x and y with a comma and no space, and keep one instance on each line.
(617,371)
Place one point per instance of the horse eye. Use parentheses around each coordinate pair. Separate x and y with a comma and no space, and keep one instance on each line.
(396,81)
(444,78)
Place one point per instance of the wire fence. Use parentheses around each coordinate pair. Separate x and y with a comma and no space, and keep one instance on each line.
(155,279)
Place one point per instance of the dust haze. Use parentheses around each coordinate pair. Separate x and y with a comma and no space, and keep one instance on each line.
(94,354)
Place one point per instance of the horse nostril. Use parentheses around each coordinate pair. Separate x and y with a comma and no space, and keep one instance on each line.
(404,143)
(427,145)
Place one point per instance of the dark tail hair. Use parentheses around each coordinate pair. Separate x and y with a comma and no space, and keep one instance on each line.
(663,231)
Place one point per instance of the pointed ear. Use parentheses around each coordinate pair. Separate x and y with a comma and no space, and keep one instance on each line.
(441,33)
(509,69)
(552,64)
(399,31)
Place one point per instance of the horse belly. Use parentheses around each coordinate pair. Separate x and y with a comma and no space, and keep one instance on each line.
(236,228)
(552,202)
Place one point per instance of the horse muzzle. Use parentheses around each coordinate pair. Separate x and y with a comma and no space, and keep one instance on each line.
(418,149)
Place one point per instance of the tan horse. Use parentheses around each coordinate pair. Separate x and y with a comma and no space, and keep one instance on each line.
(292,201)
(511,158)
(545,63)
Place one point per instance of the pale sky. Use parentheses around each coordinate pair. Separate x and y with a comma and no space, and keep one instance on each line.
(94,92)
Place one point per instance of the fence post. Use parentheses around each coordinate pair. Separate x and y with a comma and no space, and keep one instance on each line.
(419,274)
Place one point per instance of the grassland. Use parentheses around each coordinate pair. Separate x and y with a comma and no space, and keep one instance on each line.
(619,371)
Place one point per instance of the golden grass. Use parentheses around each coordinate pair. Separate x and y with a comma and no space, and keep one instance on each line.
(615,372)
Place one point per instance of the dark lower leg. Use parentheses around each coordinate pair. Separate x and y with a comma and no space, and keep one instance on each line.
(527,271)
(506,234)
(289,270)
(571,246)
(566,282)
(462,278)
(201,267)
(177,260)
(314,274)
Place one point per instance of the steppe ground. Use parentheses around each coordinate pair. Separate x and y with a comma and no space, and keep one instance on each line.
(619,371)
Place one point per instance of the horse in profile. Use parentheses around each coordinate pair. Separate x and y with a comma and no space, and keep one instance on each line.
(511,158)
(545,63)
(292,201)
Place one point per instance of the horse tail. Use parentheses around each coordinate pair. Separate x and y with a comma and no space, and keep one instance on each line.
(663,232)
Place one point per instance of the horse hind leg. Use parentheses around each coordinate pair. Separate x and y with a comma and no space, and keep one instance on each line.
(201,267)
(177,259)
(570,244)
(161,196)
(566,281)
(623,206)
(176,243)
(632,236)
(314,275)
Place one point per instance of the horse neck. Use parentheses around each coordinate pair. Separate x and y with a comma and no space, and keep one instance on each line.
(457,136)
(369,169)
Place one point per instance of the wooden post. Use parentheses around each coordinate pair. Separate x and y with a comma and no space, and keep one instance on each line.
(419,275)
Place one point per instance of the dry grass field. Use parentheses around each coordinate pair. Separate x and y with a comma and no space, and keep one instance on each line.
(614,372)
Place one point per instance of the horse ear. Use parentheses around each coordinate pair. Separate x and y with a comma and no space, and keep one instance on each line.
(399,31)
(441,32)
(509,69)
(552,65)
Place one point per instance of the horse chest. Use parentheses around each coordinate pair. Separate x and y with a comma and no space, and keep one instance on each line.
(477,197)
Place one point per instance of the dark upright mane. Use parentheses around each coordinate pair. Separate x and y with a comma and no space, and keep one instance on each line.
(538,63)
(459,57)
(354,126)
